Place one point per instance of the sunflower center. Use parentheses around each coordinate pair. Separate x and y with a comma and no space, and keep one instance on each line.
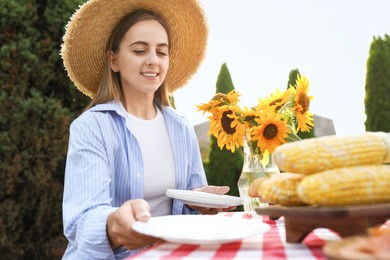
(226,122)
(270,131)
(304,101)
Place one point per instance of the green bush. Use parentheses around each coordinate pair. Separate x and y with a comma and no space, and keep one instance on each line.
(377,99)
(38,102)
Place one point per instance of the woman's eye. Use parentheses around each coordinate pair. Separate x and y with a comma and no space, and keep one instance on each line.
(139,51)
(162,53)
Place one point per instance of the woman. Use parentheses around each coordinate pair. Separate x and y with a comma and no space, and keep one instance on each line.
(129,146)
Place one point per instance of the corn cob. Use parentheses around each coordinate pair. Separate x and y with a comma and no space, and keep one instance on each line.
(354,185)
(329,152)
(282,189)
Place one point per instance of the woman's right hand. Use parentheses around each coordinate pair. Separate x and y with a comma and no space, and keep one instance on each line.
(119,225)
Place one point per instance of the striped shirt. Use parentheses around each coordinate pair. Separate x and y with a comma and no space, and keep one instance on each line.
(104,168)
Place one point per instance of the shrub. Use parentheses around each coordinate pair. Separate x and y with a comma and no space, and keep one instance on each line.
(38,102)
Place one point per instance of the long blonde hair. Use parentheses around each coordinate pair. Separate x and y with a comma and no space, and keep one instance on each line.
(110,87)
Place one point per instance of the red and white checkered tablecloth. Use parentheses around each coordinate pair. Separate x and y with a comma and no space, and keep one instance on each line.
(270,245)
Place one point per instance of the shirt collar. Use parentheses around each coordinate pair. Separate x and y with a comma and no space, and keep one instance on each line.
(117,107)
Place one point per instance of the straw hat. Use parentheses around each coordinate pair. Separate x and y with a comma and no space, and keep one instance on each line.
(91,25)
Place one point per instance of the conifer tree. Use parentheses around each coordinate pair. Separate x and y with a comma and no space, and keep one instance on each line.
(292,77)
(377,98)
(224,167)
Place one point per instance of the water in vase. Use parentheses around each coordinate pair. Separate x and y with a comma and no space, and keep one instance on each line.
(243,184)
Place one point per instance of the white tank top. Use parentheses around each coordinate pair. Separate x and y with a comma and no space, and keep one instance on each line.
(158,159)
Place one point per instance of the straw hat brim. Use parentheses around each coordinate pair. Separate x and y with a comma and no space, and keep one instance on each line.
(91,25)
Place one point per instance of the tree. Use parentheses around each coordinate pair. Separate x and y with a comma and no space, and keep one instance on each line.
(224,167)
(292,77)
(377,98)
(38,102)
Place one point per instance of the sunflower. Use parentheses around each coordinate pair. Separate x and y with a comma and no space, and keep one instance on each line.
(232,97)
(248,116)
(220,99)
(302,103)
(270,132)
(227,128)
(275,101)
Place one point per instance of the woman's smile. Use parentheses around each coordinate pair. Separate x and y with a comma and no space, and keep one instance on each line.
(150,75)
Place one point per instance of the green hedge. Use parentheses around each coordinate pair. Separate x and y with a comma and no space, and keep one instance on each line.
(37,104)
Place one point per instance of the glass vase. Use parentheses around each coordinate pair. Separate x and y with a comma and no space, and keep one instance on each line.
(251,170)
(271,168)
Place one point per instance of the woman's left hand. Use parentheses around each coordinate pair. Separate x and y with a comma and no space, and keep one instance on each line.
(220,190)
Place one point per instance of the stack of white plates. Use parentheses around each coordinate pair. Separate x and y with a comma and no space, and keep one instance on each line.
(204,199)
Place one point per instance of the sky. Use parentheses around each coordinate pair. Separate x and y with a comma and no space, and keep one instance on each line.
(261,41)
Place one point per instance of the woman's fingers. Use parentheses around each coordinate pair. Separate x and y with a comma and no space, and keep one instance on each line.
(222,190)
(211,211)
(205,211)
(228,209)
(141,210)
(120,222)
(214,189)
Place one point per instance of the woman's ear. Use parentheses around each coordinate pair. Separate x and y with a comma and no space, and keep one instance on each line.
(113,61)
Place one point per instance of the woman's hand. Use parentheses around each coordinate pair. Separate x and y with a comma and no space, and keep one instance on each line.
(220,190)
(119,225)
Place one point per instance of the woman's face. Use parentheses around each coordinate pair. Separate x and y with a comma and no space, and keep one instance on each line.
(143,58)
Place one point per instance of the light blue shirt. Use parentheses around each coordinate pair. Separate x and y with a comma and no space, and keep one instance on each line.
(104,169)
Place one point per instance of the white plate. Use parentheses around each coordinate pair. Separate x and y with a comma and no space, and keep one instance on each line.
(200,229)
(204,199)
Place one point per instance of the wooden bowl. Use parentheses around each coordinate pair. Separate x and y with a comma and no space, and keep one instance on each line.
(345,220)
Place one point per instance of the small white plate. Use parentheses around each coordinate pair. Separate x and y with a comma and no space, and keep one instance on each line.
(204,199)
(200,229)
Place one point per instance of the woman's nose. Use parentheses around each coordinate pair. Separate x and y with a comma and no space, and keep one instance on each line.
(152,59)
